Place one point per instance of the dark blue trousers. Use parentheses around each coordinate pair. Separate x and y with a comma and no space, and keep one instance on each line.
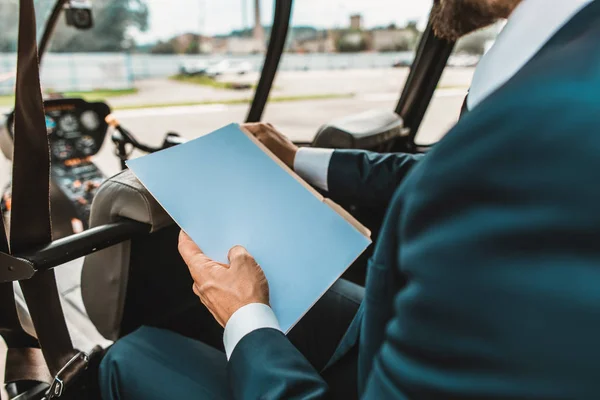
(154,363)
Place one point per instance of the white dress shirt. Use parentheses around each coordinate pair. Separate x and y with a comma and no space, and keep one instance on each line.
(529,27)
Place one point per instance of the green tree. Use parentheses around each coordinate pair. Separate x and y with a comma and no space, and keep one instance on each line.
(113,22)
(193,47)
(412,26)
(348,46)
(164,48)
(9,25)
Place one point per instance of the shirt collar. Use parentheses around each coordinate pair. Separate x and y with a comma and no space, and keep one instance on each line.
(529,27)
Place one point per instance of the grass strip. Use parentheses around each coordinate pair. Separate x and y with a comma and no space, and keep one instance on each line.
(281,99)
(94,95)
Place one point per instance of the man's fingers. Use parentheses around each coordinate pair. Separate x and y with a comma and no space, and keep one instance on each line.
(237,252)
(253,128)
(195,289)
(190,252)
(187,247)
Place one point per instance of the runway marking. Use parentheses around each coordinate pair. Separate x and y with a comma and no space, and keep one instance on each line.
(175,110)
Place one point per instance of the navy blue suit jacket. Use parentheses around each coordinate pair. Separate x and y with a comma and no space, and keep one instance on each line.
(485,281)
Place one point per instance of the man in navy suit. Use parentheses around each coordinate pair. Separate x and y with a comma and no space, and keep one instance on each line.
(484,279)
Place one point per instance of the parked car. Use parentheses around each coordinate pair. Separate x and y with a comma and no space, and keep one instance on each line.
(463,60)
(229,67)
(194,67)
(216,67)
(402,63)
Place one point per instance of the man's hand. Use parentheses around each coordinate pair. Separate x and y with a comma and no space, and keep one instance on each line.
(275,141)
(223,288)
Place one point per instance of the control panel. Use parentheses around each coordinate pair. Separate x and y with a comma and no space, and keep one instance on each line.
(79,183)
(76,131)
(76,128)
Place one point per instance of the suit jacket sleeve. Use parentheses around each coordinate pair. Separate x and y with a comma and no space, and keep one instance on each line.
(265,365)
(367,179)
(500,250)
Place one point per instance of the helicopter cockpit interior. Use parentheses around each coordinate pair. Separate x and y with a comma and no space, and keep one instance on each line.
(112,73)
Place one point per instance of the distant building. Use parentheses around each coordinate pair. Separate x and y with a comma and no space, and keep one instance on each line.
(351,41)
(220,45)
(203,44)
(244,45)
(353,38)
(356,22)
(258,31)
(187,43)
(322,44)
(392,39)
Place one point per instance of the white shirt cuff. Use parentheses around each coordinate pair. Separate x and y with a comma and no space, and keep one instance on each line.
(245,320)
(313,165)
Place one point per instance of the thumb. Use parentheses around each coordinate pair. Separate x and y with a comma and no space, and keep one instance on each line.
(238,254)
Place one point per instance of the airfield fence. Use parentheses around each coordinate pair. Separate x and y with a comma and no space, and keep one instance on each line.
(94,71)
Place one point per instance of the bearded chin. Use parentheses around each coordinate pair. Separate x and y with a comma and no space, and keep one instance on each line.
(452,19)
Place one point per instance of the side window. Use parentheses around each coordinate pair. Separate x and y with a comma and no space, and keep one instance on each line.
(343,58)
(186,67)
(444,109)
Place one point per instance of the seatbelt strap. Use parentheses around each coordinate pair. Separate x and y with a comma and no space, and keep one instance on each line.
(26,364)
(9,320)
(30,222)
(30,212)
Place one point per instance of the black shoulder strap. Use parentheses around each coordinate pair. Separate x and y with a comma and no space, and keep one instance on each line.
(30,212)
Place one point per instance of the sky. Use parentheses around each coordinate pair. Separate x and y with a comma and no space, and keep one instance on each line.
(171,17)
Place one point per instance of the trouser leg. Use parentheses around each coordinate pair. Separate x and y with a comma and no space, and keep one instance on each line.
(157,364)
(154,364)
(318,334)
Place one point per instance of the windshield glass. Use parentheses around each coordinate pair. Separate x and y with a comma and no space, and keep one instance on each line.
(192,66)
(186,66)
(9,30)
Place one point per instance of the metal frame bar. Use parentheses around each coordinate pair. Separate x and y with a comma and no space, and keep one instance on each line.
(24,265)
(281,23)
(49,28)
(425,73)
(35,393)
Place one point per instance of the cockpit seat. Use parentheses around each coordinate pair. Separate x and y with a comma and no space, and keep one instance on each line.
(371,130)
(105,274)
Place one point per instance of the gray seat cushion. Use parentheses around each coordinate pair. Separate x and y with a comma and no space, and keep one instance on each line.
(105,273)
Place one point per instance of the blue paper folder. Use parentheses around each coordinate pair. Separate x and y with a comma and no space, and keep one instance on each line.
(225,189)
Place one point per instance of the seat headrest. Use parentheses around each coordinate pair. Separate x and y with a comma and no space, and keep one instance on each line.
(366,130)
(123,196)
